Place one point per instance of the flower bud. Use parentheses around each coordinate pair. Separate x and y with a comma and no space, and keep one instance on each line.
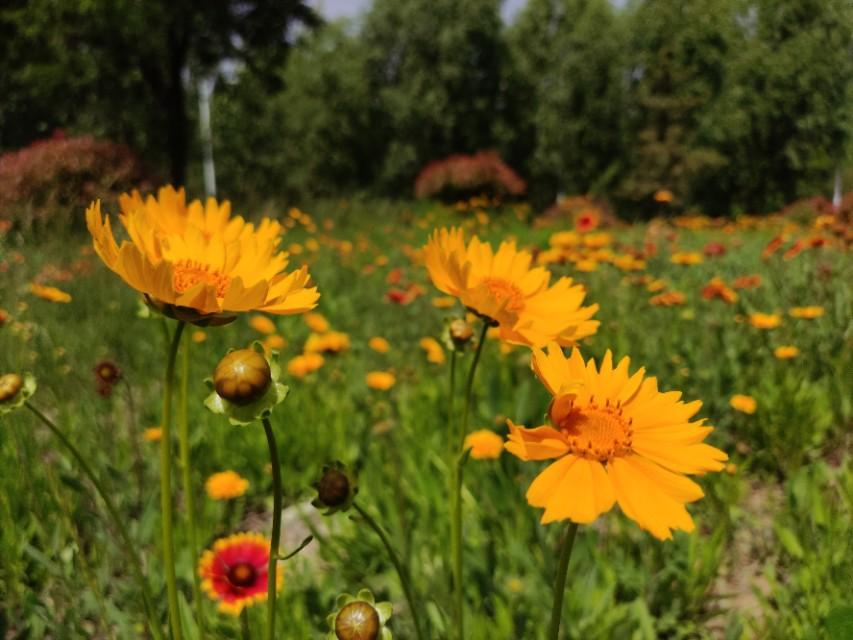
(10,384)
(336,488)
(242,377)
(460,332)
(360,618)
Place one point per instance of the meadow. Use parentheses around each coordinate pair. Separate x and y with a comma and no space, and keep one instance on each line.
(772,553)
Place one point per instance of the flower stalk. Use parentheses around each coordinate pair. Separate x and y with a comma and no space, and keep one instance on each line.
(402,572)
(457,463)
(276,529)
(186,479)
(166,486)
(560,581)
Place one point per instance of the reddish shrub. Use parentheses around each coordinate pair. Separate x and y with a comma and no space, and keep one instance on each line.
(461,176)
(53,180)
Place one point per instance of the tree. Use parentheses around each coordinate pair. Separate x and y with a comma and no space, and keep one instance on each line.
(568,92)
(435,66)
(135,56)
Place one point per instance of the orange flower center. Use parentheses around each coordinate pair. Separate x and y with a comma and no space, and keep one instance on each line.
(506,293)
(188,273)
(598,433)
(242,575)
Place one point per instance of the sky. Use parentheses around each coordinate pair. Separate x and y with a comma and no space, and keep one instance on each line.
(332,9)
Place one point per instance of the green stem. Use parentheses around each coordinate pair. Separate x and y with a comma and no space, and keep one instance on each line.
(166,487)
(117,519)
(276,529)
(186,477)
(398,565)
(456,494)
(245,632)
(560,581)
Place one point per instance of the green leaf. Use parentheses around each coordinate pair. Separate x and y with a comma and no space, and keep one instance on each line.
(788,540)
(839,623)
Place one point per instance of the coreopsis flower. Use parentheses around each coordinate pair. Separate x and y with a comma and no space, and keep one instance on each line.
(331,342)
(262,324)
(226,485)
(152,434)
(764,320)
(274,342)
(359,617)
(808,313)
(443,302)
(336,488)
(484,444)
(434,352)
(668,299)
(197,263)
(234,572)
(301,365)
(316,322)
(380,380)
(716,288)
(199,336)
(663,196)
(747,282)
(743,403)
(686,258)
(615,438)
(379,344)
(786,352)
(501,287)
(51,294)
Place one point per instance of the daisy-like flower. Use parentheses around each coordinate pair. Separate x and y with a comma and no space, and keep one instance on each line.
(380,380)
(234,572)
(485,444)
(434,352)
(197,263)
(301,365)
(316,322)
(615,438)
(786,352)
(808,313)
(51,294)
(262,324)
(501,286)
(743,403)
(152,434)
(379,344)
(360,617)
(226,485)
(764,320)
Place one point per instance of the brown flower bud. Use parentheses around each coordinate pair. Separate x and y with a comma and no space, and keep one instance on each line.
(460,332)
(333,488)
(357,620)
(242,377)
(10,384)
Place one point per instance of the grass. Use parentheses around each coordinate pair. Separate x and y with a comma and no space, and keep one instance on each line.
(771,557)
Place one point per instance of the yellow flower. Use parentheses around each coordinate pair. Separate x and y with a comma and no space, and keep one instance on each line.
(302,365)
(379,344)
(226,485)
(199,336)
(274,342)
(564,239)
(152,434)
(615,438)
(443,302)
(316,322)
(809,313)
(195,262)
(663,196)
(434,352)
(484,444)
(597,240)
(501,286)
(764,320)
(332,342)
(51,294)
(786,352)
(586,265)
(742,403)
(262,324)
(380,380)
(686,257)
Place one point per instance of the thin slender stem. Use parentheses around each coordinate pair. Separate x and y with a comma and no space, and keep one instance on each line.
(166,487)
(117,519)
(245,631)
(276,529)
(453,481)
(398,565)
(560,581)
(457,473)
(186,478)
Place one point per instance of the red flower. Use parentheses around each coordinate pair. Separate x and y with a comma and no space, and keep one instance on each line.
(771,247)
(107,374)
(713,249)
(234,572)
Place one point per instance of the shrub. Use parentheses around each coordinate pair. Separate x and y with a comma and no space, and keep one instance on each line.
(53,180)
(460,176)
